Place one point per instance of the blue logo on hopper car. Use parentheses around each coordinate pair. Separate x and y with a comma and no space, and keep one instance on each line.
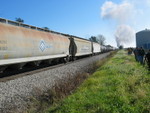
(44,45)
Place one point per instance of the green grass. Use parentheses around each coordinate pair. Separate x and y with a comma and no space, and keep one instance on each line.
(120,86)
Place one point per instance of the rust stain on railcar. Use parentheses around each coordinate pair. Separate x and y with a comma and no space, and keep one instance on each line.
(3,41)
(58,41)
(6,56)
(25,42)
(28,33)
(8,29)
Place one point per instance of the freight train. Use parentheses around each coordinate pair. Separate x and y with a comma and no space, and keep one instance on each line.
(21,44)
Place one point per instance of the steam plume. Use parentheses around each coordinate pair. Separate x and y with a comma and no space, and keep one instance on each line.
(124,35)
(123,12)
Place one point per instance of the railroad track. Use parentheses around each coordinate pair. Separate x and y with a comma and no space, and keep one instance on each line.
(11,74)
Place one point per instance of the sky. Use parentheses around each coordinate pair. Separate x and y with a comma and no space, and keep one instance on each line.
(116,20)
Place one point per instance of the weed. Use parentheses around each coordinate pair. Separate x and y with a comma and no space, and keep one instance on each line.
(120,86)
(40,102)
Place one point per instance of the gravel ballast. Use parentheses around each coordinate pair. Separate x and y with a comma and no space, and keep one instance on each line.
(14,94)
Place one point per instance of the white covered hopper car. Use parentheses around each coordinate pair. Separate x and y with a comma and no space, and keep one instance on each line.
(21,44)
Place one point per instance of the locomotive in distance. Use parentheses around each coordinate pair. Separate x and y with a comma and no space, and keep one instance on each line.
(21,44)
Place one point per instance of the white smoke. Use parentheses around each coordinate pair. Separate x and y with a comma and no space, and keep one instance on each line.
(121,13)
(124,35)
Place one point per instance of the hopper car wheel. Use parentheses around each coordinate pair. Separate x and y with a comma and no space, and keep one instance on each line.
(73,58)
(18,66)
(2,68)
(55,61)
(49,61)
(36,63)
(66,59)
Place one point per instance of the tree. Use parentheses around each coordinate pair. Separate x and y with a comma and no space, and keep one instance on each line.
(93,39)
(101,39)
(46,28)
(20,20)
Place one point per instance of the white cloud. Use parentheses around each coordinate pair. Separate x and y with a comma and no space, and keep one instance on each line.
(120,12)
(140,2)
(148,2)
(128,13)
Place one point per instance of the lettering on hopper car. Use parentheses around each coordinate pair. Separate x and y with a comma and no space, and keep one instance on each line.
(3,48)
(3,45)
(43,45)
(3,42)
(85,48)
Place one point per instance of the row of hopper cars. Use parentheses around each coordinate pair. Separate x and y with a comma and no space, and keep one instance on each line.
(21,44)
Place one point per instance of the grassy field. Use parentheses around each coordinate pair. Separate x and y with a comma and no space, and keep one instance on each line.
(120,86)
